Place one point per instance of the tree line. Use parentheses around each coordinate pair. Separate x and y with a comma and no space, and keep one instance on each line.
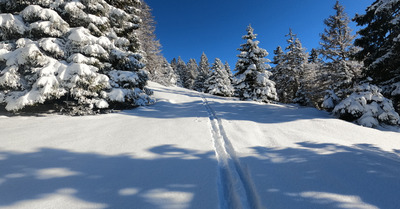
(358,79)
(91,56)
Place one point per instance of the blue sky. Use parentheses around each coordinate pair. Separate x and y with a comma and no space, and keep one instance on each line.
(186,28)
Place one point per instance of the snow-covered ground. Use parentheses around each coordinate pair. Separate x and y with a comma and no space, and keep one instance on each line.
(193,150)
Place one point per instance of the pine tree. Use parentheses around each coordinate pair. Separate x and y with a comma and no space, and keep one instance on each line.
(167,73)
(151,46)
(289,70)
(180,70)
(218,82)
(314,56)
(252,78)
(340,72)
(174,63)
(190,74)
(337,40)
(79,55)
(380,46)
(229,71)
(204,69)
(279,56)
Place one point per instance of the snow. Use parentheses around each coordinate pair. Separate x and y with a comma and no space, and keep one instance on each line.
(82,35)
(94,50)
(80,58)
(368,106)
(27,52)
(194,150)
(98,20)
(117,95)
(12,23)
(124,76)
(396,90)
(52,45)
(33,12)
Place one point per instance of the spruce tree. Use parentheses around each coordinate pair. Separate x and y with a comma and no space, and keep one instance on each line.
(204,69)
(228,70)
(340,72)
(314,56)
(289,70)
(252,78)
(80,56)
(337,40)
(180,70)
(380,47)
(190,74)
(279,56)
(218,82)
(167,73)
(174,62)
(151,46)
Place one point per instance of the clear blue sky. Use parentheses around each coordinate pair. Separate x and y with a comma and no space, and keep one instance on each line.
(186,28)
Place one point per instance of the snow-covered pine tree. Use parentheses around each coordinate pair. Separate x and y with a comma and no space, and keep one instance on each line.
(167,74)
(278,57)
(229,71)
(204,69)
(218,82)
(151,46)
(312,81)
(314,56)
(340,72)
(180,70)
(174,62)
(380,44)
(337,40)
(191,74)
(289,71)
(252,81)
(77,54)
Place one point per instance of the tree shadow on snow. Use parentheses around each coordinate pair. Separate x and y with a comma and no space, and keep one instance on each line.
(176,178)
(310,176)
(326,176)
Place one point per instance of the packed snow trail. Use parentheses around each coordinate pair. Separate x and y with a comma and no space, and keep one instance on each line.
(235,187)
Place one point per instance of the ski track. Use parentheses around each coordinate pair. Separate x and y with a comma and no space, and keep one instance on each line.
(235,187)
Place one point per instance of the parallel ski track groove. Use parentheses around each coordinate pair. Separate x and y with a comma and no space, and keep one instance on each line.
(235,187)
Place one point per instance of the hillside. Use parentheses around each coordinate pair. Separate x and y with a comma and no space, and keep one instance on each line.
(193,150)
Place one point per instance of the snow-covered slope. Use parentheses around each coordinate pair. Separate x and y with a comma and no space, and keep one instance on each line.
(191,150)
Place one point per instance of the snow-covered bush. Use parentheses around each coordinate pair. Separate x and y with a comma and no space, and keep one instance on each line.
(367,107)
(78,56)
(330,100)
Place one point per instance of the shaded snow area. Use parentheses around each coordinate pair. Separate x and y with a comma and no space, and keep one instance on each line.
(193,150)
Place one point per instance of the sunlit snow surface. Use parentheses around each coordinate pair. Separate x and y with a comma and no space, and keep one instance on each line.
(163,156)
